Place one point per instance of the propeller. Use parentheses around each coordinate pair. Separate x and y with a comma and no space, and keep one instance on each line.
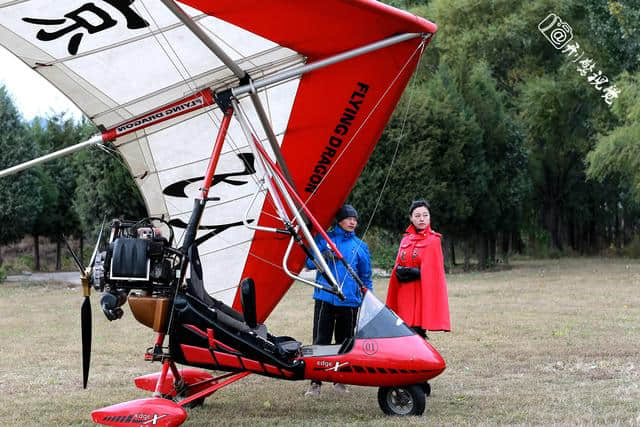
(85,309)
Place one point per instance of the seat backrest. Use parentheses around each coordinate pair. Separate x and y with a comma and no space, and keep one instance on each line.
(248,300)
(195,287)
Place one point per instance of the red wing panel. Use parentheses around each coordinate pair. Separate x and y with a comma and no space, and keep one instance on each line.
(339,111)
(316,28)
(337,118)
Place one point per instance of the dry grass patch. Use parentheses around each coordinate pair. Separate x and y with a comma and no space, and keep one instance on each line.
(547,342)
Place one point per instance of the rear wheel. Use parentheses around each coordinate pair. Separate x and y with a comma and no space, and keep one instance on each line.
(404,400)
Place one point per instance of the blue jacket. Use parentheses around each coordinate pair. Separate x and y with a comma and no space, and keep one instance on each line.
(356,253)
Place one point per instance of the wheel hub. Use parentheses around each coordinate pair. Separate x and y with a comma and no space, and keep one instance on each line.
(399,399)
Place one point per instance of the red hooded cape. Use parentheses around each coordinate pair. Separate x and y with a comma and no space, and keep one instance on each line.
(423,302)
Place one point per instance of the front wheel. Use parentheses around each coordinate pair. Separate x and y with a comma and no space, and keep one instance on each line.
(404,400)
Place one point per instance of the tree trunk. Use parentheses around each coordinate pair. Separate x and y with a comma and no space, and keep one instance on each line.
(617,228)
(58,255)
(506,246)
(467,255)
(1,256)
(447,255)
(453,252)
(36,251)
(492,248)
(482,251)
(552,222)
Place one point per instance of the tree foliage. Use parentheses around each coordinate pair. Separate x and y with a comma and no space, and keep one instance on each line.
(105,189)
(19,194)
(617,153)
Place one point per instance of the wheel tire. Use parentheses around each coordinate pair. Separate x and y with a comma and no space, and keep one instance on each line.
(403,400)
(427,389)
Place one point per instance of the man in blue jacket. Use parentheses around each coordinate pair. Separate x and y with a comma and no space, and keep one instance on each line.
(331,315)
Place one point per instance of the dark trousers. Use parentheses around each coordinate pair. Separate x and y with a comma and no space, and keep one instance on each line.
(330,320)
(420,332)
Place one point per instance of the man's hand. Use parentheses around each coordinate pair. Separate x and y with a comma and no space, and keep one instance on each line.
(328,255)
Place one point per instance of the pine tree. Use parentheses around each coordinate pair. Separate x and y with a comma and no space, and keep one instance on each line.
(19,193)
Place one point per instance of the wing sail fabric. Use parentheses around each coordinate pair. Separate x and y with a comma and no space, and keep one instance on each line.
(117,59)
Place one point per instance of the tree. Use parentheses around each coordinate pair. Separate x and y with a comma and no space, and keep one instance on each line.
(439,157)
(43,222)
(61,220)
(556,111)
(617,153)
(105,188)
(499,208)
(19,193)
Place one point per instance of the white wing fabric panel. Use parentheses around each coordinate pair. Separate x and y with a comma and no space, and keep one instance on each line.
(119,72)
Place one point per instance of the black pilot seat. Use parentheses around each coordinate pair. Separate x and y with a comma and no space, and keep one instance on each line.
(284,347)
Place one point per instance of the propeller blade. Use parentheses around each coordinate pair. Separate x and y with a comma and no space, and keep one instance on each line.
(85,324)
(74,256)
(95,250)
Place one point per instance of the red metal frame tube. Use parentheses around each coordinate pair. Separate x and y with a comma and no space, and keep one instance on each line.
(159,339)
(198,100)
(162,379)
(215,155)
(210,390)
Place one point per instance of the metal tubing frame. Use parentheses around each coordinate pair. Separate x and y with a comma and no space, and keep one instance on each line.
(294,276)
(210,390)
(272,179)
(96,139)
(260,164)
(215,155)
(250,88)
(245,217)
(306,210)
(302,69)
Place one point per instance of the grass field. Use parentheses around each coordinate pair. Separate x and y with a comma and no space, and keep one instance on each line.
(547,342)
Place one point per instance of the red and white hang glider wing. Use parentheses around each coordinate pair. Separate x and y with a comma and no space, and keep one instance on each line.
(119,59)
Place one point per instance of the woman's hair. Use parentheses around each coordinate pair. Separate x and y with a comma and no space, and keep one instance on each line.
(418,203)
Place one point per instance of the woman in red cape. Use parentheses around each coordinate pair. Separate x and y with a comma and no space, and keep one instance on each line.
(417,289)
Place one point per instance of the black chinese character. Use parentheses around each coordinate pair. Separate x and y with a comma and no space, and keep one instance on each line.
(134,21)
(177,188)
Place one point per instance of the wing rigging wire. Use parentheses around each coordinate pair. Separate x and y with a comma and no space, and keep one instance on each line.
(229,140)
(188,80)
(420,49)
(395,152)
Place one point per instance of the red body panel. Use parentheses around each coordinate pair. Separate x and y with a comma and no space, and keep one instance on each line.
(154,411)
(379,362)
(371,362)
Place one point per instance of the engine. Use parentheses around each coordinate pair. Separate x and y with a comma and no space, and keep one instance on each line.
(138,257)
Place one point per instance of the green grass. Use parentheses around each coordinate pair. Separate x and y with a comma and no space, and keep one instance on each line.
(547,342)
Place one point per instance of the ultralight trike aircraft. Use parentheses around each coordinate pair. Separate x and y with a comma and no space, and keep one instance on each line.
(294,96)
